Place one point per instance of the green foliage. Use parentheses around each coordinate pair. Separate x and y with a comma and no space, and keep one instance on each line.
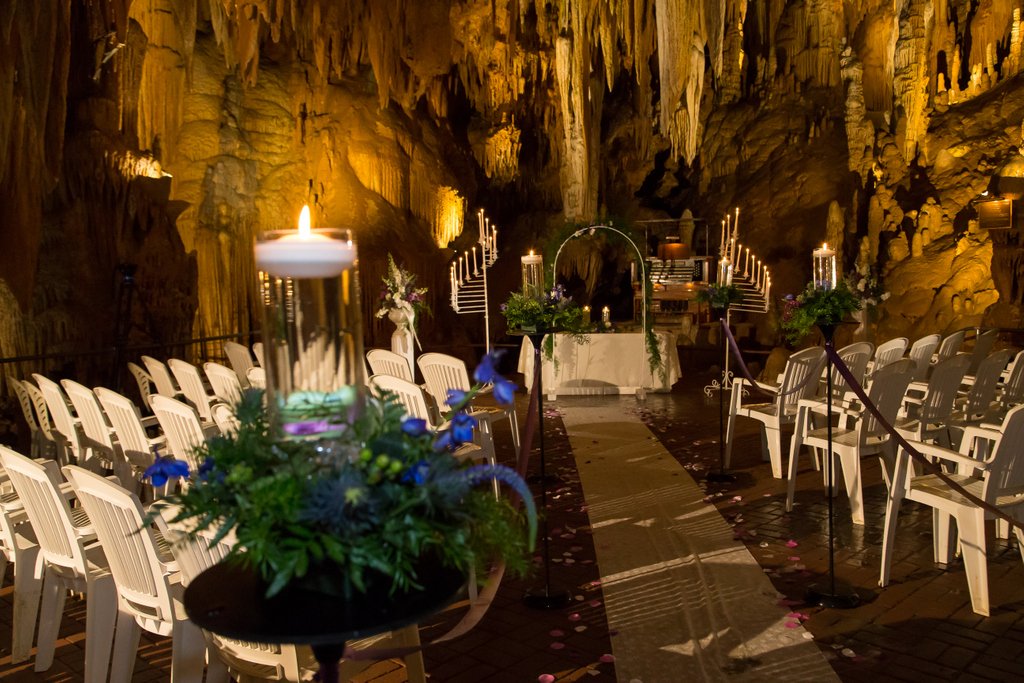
(374,497)
(720,296)
(816,306)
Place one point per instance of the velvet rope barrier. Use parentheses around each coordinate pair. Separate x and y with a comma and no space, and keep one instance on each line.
(929,466)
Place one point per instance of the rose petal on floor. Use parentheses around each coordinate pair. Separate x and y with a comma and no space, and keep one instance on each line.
(545,678)
(791,543)
(607,659)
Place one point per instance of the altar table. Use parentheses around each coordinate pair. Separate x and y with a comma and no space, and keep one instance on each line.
(612,363)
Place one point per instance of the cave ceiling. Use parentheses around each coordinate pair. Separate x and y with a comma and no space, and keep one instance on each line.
(171,131)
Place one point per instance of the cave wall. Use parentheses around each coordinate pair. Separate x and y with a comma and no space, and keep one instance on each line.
(166,133)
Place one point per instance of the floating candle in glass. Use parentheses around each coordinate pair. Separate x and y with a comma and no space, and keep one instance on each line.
(533,274)
(824,262)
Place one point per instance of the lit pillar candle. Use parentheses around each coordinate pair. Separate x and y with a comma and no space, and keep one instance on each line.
(824,261)
(606,315)
(304,253)
(586,315)
(533,274)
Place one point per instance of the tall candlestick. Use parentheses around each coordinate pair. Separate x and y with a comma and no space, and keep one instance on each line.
(746,267)
(476,271)
(721,246)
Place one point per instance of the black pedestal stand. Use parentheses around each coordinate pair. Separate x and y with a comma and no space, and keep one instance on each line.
(721,476)
(831,594)
(543,597)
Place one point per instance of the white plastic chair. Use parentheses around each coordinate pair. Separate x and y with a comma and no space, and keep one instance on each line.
(859,433)
(921,353)
(240,361)
(53,446)
(257,351)
(926,417)
(949,346)
(385,362)
(69,560)
(802,370)
(182,428)
(65,424)
(225,419)
(889,352)
(983,343)
(149,588)
(98,448)
(442,372)
(856,357)
(162,379)
(137,447)
(18,547)
(257,378)
(224,383)
(144,381)
(1011,393)
(38,442)
(1000,485)
(191,383)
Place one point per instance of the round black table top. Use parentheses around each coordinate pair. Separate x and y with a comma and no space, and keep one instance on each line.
(230,601)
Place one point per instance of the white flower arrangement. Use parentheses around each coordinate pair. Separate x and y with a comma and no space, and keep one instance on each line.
(866,285)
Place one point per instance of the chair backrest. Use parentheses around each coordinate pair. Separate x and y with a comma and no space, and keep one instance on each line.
(442,372)
(921,353)
(47,511)
(888,386)
(1005,473)
(950,346)
(385,362)
(144,381)
(165,385)
(986,382)
(799,378)
(25,402)
(182,428)
(408,393)
(983,343)
(257,351)
(1013,388)
(890,352)
(257,378)
(129,546)
(225,419)
(41,409)
(239,359)
(224,382)
(856,357)
(942,388)
(90,416)
(63,421)
(191,383)
(124,418)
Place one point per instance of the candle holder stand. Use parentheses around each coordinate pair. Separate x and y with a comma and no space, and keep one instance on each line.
(469,293)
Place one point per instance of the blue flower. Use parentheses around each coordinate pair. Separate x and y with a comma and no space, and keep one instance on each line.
(206,467)
(460,430)
(485,372)
(456,397)
(414,426)
(165,468)
(417,474)
(504,391)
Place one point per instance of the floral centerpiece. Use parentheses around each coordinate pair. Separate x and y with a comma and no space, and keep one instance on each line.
(821,306)
(362,506)
(552,312)
(400,298)
(720,296)
(866,285)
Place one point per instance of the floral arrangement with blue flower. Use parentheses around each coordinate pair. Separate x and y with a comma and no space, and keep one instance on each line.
(551,312)
(816,305)
(383,491)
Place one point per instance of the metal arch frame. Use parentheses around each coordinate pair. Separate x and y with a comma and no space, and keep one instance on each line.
(640,258)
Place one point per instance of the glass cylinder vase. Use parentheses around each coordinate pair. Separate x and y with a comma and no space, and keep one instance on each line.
(312,330)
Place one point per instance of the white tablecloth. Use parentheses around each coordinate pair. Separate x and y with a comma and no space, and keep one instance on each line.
(609,364)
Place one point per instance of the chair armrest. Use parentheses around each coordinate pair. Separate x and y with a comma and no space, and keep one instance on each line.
(941,453)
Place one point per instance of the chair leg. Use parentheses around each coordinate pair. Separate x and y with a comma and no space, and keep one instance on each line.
(513,425)
(50,612)
(943,536)
(126,645)
(416,672)
(216,669)
(734,405)
(773,438)
(971,523)
(892,510)
(849,461)
(27,589)
(100,618)
(188,653)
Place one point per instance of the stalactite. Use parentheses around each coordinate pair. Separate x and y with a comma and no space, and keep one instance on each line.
(860,132)
(910,79)
(681,31)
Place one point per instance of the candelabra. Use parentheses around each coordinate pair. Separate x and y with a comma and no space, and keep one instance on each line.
(468,275)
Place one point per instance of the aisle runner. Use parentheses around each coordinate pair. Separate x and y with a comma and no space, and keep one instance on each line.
(689,602)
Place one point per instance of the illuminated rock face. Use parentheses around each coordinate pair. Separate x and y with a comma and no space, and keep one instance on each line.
(863,119)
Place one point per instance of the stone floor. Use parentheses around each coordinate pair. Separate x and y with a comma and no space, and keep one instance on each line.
(919,628)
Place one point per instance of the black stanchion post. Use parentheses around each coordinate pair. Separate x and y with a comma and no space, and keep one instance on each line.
(543,597)
(721,476)
(838,596)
